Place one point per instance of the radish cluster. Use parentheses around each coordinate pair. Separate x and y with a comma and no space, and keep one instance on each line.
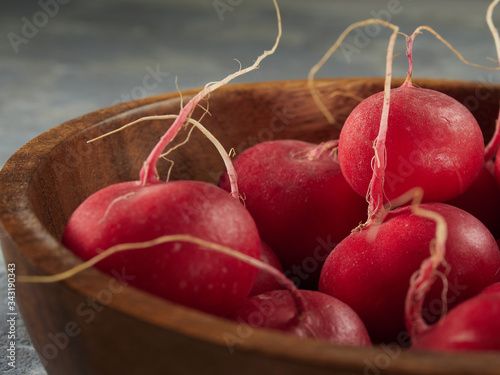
(318,240)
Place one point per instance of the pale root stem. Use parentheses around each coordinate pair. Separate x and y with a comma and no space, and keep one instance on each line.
(492,146)
(113,202)
(179,145)
(224,155)
(314,152)
(203,244)
(447,44)
(376,192)
(423,279)
(310,80)
(152,159)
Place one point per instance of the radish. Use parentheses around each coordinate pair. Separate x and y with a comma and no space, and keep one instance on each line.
(372,275)
(433,142)
(266,282)
(300,201)
(471,326)
(128,214)
(323,317)
(181,273)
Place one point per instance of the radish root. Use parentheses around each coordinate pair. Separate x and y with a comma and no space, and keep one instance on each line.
(225,156)
(152,159)
(310,80)
(204,245)
(315,152)
(422,280)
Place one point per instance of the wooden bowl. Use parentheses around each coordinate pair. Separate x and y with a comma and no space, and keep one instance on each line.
(92,324)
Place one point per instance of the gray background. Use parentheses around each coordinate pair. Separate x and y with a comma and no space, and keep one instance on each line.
(86,55)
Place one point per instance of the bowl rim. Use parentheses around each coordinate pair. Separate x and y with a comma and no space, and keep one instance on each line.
(20,226)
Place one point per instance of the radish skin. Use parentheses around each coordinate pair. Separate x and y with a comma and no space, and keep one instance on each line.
(473,325)
(372,276)
(324,318)
(300,201)
(178,272)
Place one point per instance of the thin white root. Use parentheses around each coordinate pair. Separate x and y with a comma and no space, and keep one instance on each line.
(224,155)
(310,80)
(422,280)
(116,200)
(142,245)
(204,244)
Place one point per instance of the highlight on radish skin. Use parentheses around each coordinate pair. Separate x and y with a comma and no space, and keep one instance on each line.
(493,288)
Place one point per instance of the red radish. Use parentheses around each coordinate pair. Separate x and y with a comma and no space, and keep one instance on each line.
(132,213)
(324,317)
(471,326)
(265,282)
(178,272)
(300,201)
(433,141)
(493,288)
(372,275)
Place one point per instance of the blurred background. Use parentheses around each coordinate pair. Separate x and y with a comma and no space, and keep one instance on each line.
(63,58)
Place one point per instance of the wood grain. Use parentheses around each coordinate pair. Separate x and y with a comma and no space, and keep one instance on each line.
(90,324)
